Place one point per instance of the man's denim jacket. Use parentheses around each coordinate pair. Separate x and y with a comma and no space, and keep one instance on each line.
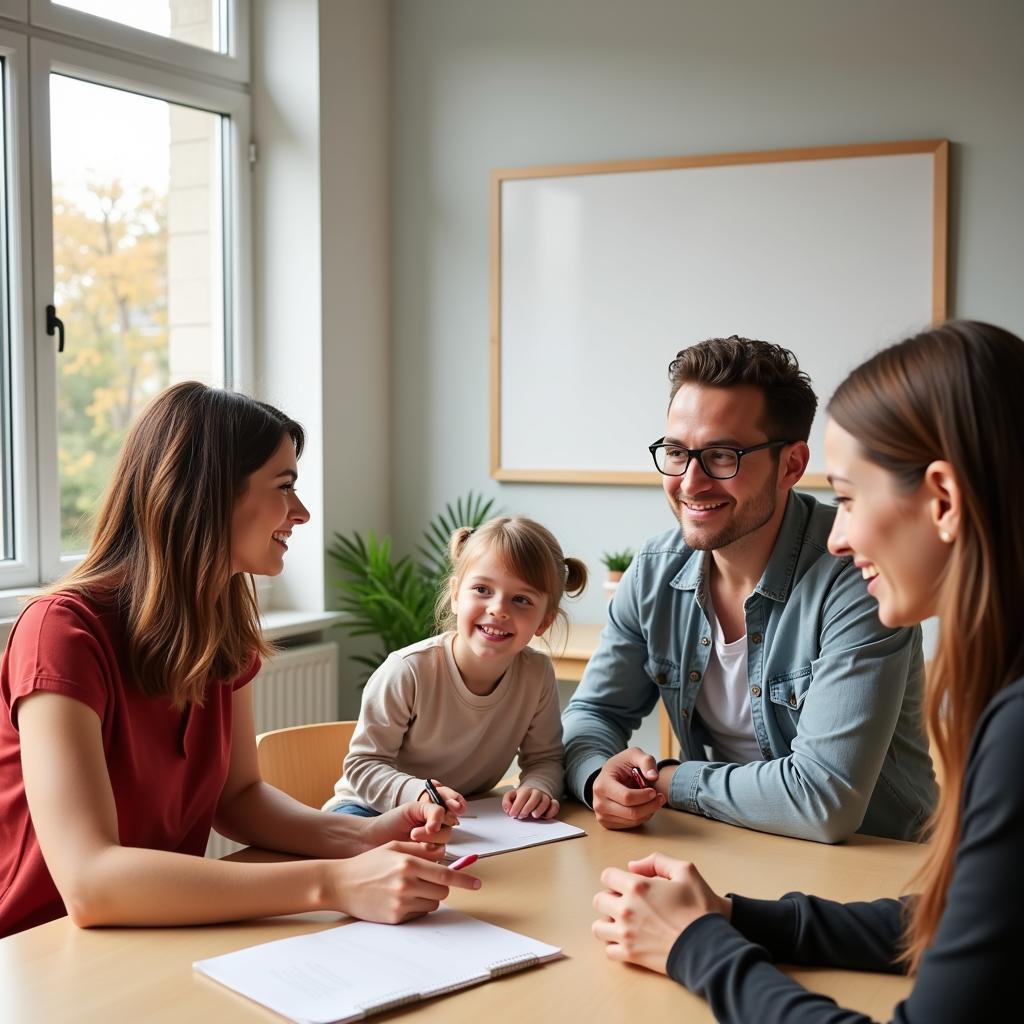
(835,696)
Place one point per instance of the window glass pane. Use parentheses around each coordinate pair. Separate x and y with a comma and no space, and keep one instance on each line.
(199,22)
(138,271)
(6,439)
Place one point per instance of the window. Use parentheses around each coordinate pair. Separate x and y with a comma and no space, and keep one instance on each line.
(199,23)
(137,259)
(209,36)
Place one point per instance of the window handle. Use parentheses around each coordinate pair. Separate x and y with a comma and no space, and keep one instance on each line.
(54,323)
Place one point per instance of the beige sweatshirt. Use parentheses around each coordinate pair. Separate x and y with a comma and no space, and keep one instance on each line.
(419,721)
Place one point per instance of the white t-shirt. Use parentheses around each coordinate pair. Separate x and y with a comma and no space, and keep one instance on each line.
(723,702)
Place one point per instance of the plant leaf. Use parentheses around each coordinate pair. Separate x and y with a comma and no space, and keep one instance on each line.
(394,598)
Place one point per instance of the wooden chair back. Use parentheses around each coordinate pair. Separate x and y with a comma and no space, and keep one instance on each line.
(305,761)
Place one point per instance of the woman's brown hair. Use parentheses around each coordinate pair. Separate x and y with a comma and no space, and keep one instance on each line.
(162,544)
(527,550)
(954,393)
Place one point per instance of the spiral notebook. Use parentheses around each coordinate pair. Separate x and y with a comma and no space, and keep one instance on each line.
(350,972)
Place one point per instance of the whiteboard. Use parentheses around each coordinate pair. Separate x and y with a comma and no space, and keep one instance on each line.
(602,272)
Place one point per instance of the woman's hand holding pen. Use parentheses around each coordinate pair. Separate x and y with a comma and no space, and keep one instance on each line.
(391,884)
(645,909)
(529,803)
(419,823)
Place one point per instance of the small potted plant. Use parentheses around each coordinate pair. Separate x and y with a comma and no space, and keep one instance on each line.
(616,562)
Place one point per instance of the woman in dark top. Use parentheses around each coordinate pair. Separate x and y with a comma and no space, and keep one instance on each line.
(924,453)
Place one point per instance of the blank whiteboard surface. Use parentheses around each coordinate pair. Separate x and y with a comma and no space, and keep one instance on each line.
(605,276)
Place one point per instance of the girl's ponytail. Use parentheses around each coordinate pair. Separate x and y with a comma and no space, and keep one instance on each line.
(575,576)
(457,543)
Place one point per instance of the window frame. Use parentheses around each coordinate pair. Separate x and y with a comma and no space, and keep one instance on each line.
(48,58)
(232,66)
(23,568)
(16,10)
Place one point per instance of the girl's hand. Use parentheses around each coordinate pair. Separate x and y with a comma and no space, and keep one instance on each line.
(645,909)
(415,822)
(529,803)
(391,884)
(454,799)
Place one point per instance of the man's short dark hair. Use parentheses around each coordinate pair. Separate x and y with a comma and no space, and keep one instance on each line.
(789,399)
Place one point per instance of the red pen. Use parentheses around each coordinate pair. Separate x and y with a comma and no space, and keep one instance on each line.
(464,862)
(641,782)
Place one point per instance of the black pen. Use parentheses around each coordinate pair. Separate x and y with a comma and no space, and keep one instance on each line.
(436,798)
(434,795)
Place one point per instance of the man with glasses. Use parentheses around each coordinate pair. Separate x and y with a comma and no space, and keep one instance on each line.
(796,710)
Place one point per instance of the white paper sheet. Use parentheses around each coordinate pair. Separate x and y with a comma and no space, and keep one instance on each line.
(346,973)
(492,831)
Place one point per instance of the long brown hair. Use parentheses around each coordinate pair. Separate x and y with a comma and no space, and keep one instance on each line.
(162,544)
(954,393)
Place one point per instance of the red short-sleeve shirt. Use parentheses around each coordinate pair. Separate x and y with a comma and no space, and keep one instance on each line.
(167,768)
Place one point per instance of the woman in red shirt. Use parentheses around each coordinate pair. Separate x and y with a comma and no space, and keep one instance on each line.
(128,730)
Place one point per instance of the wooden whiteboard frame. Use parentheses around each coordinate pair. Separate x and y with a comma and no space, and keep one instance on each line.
(938,148)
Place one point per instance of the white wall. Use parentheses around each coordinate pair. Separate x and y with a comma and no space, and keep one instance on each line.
(354,91)
(320,113)
(479,84)
(321,229)
(287,265)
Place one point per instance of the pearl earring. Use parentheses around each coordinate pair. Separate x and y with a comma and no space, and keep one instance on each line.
(945,536)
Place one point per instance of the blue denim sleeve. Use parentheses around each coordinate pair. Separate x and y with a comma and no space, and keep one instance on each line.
(820,790)
(615,694)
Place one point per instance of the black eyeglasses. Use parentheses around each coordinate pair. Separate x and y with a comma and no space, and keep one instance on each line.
(720,462)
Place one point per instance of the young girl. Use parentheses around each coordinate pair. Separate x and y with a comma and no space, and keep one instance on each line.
(924,452)
(126,725)
(455,709)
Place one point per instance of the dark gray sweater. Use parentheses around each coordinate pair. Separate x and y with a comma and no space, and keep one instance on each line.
(968,975)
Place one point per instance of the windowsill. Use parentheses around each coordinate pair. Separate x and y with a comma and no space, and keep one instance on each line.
(278,624)
(11,603)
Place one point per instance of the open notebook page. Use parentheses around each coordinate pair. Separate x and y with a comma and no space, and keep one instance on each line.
(348,972)
(486,830)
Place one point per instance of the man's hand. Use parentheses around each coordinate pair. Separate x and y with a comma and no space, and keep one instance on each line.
(618,802)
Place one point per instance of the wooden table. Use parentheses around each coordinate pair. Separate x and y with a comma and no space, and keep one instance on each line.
(57,972)
(571,659)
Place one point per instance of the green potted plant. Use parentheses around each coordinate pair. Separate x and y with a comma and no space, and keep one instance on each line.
(616,562)
(392,598)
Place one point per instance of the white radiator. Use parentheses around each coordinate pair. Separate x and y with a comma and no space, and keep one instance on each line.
(297,686)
